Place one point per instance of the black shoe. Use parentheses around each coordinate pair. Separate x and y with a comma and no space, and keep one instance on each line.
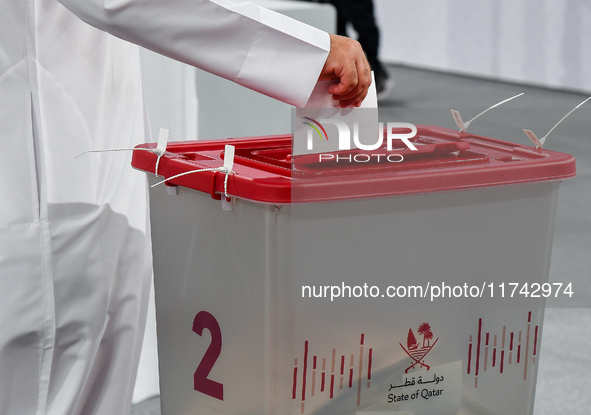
(384,83)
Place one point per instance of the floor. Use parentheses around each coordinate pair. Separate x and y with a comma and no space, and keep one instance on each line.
(564,379)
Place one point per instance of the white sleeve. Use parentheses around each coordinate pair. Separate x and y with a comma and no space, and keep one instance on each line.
(255,47)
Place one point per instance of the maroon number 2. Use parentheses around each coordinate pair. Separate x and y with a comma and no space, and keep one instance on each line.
(204,320)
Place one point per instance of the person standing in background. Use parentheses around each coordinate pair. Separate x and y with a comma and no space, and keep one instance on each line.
(361,15)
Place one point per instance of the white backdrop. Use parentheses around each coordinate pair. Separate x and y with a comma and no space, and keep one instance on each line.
(544,42)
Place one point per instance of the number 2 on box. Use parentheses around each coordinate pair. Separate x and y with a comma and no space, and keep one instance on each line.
(204,320)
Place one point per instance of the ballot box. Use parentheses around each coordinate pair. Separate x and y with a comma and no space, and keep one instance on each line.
(307,286)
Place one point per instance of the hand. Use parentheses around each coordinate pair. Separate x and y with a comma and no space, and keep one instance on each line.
(346,62)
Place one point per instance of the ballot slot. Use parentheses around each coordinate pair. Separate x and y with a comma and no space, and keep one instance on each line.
(430,152)
(435,148)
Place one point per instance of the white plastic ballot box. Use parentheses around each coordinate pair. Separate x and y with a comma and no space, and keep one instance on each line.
(340,287)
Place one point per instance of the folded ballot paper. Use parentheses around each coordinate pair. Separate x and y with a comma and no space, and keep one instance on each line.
(323,127)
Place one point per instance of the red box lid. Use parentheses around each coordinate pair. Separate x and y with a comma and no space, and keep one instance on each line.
(446,160)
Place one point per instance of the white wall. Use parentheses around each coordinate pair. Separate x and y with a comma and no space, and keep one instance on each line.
(536,41)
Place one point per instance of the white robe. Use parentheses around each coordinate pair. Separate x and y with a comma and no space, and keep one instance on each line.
(75,254)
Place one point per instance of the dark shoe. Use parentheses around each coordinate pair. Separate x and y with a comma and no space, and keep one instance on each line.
(384,83)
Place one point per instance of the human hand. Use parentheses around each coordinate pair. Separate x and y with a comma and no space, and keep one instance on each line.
(346,62)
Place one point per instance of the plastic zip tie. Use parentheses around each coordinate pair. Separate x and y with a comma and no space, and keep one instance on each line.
(228,165)
(159,150)
(109,150)
(539,142)
(216,169)
(161,147)
(226,169)
(463,126)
